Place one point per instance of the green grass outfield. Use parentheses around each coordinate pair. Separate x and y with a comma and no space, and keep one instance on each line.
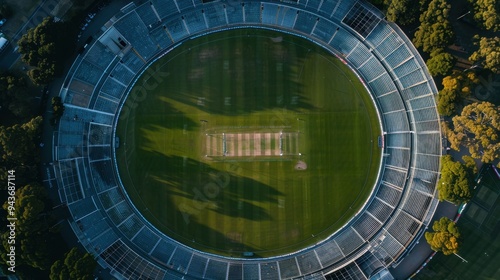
(248,81)
(479,226)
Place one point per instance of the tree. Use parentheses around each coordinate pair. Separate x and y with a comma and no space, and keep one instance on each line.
(440,63)
(456,87)
(46,47)
(470,164)
(455,181)
(33,237)
(487,13)
(435,30)
(478,129)
(29,205)
(445,238)
(57,109)
(403,12)
(488,54)
(36,248)
(74,266)
(44,74)
(14,95)
(18,142)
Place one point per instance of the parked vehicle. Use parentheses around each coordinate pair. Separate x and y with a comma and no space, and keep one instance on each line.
(3,42)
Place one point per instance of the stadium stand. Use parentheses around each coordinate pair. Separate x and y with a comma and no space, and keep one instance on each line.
(164,8)
(198,266)
(147,14)
(100,56)
(176,30)
(305,22)
(160,35)
(107,224)
(133,29)
(286,16)
(195,22)
(214,17)
(88,72)
(251,12)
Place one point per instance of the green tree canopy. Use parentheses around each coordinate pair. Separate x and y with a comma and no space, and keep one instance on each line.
(488,54)
(487,13)
(402,11)
(57,109)
(445,238)
(46,47)
(454,184)
(74,266)
(478,129)
(33,237)
(435,30)
(36,248)
(440,63)
(456,87)
(470,164)
(29,205)
(14,95)
(18,143)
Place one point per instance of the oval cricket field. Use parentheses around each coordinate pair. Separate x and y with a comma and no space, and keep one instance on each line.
(248,140)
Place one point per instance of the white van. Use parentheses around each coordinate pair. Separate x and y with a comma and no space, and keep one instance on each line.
(3,42)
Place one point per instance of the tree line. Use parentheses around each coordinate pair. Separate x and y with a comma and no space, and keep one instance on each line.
(469,124)
(45,49)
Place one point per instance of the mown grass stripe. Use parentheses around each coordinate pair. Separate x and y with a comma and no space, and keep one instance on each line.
(167,122)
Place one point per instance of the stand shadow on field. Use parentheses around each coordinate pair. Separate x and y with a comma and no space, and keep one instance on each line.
(174,201)
(231,78)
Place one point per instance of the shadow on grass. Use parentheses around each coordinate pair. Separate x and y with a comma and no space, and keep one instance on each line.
(166,116)
(207,188)
(189,230)
(254,73)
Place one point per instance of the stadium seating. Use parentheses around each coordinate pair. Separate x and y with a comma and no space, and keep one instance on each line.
(289,268)
(234,13)
(98,83)
(195,22)
(137,34)
(305,22)
(286,17)
(251,12)
(215,16)
(147,14)
(110,197)
(198,265)
(177,30)
(165,8)
(161,36)
(88,72)
(270,14)
(251,270)
(106,104)
(323,30)
(100,56)
(370,70)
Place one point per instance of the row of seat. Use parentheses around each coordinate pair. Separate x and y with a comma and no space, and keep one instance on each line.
(385,62)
